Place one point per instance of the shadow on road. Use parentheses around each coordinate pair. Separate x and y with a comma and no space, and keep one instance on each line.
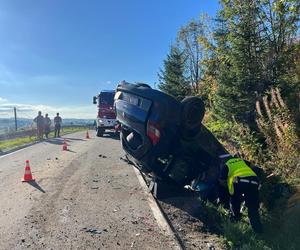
(69,150)
(73,139)
(36,185)
(55,141)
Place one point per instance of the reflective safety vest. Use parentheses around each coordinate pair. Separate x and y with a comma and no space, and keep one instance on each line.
(237,168)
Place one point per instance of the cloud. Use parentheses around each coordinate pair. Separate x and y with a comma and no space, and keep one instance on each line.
(30,111)
(9,80)
(2,100)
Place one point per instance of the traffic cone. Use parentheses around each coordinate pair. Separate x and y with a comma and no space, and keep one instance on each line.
(27,176)
(87,135)
(65,146)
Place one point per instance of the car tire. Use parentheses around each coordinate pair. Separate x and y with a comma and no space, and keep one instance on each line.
(192,113)
(100,132)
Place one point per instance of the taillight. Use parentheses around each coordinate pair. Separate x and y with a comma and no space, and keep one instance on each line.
(153,132)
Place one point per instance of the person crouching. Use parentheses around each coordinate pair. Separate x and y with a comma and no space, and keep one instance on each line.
(242,184)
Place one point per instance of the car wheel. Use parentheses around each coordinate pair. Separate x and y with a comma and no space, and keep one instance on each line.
(100,132)
(192,113)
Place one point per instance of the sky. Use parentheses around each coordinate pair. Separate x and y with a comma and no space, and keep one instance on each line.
(56,55)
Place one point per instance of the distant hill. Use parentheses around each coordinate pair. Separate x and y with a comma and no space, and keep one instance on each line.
(7,124)
(77,121)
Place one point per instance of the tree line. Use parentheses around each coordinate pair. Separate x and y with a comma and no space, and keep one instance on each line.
(245,64)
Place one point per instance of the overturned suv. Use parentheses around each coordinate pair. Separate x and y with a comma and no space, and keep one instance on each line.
(166,138)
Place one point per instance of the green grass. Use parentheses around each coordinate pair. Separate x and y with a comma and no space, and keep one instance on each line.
(17,142)
(69,130)
(281,227)
(13,143)
(233,235)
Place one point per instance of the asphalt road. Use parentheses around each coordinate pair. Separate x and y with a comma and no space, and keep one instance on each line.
(84,198)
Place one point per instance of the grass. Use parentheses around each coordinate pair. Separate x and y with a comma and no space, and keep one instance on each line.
(69,130)
(232,235)
(6,145)
(13,143)
(281,226)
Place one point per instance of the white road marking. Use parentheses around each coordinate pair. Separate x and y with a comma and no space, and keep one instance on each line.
(159,217)
(18,150)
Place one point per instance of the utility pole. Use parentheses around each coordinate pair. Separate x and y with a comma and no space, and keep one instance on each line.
(15,112)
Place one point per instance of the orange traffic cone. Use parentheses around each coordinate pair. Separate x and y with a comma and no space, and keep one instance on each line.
(27,175)
(65,145)
(87,135)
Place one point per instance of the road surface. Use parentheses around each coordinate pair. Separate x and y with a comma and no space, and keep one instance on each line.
(84,198)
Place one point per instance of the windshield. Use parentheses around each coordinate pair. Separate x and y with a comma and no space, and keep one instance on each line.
(106,98)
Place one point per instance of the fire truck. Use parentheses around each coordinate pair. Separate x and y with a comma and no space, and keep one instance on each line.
(106,118)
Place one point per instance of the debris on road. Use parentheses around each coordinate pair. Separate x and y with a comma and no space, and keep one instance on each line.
(132,244)
(125,159)
(210,246)
(85,221)
(93,231)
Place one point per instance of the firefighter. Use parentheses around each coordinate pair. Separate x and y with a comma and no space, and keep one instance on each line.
(47,125)
(57,125)
(39,120)
(242,184)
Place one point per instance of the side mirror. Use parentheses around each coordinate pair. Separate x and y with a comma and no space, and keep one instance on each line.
(94,100)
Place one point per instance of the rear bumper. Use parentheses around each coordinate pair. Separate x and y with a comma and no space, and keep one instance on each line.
(106,127)
(106,123)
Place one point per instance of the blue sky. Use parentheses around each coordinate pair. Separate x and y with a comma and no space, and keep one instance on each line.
(55,55)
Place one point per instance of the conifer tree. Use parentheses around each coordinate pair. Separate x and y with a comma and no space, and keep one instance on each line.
(239,75)
(172,79)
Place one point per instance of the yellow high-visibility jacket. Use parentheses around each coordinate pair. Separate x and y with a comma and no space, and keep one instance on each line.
(237,168)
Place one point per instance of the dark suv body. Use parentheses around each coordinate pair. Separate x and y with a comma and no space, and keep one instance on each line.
(154,134)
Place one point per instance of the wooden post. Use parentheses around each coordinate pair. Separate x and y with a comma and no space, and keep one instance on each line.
(15,113)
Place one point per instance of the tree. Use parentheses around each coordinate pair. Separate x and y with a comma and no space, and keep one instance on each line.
(172,79)
(279,25)
(239,76)
(188,40)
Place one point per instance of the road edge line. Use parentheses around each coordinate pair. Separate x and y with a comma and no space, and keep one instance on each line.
(17,149)
(157,213)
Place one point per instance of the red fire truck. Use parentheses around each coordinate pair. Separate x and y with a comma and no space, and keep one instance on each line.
(106,118)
